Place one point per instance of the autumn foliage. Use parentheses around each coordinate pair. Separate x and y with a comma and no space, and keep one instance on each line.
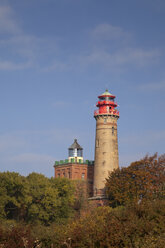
(144,179)
(48,213)
(16,237)
(138,226)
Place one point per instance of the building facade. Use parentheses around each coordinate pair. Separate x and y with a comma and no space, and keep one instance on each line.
(75,168)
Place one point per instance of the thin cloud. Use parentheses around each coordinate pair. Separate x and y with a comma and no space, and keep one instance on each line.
(144,139)
(7,21)
(29,139)
(138,56)
(116,50)
(157,86)
(32,51)
(10,66)
(19,151)
(134,56)
(106,31)
(29,49)
(11,142)
(115,60)
(26,163)
(28,158)
(11,41)
(57,66)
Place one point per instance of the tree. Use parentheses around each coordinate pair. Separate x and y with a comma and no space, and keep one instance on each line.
(35,198)
(143,179)
(66,197)
(137,225)
(52,199)
(13,195)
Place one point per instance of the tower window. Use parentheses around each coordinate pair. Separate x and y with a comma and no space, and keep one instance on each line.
(105,120)
(79,153)
(83,176)
(97,143)
(69,176)
(113,130)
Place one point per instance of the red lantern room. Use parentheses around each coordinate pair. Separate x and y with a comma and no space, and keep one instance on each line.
(106,105)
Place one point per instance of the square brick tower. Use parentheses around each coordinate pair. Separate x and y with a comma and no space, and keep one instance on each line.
(75,168)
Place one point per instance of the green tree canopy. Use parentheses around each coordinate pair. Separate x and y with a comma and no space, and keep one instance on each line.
(13,195)
(35,198)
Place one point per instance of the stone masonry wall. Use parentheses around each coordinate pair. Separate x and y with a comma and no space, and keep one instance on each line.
(106,151)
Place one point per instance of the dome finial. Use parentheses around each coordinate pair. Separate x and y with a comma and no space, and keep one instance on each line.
(106,93)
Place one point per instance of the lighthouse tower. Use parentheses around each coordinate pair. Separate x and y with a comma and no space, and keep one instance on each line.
(106,143)
(75,152)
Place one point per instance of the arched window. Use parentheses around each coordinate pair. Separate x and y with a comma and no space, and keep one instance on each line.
(69,174)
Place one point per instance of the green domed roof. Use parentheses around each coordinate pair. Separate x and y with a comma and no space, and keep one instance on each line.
(106,93)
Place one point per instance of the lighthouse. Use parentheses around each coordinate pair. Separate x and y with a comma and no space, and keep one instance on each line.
(75,152)
(106,141)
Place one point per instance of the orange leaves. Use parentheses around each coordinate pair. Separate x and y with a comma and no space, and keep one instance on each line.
(141,180)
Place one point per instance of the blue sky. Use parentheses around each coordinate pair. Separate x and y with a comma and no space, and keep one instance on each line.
(57,56)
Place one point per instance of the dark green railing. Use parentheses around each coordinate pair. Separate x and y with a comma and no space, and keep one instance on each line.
(73,161)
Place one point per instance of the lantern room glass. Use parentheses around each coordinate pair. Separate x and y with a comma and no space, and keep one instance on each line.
(107,98)
(75,153)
